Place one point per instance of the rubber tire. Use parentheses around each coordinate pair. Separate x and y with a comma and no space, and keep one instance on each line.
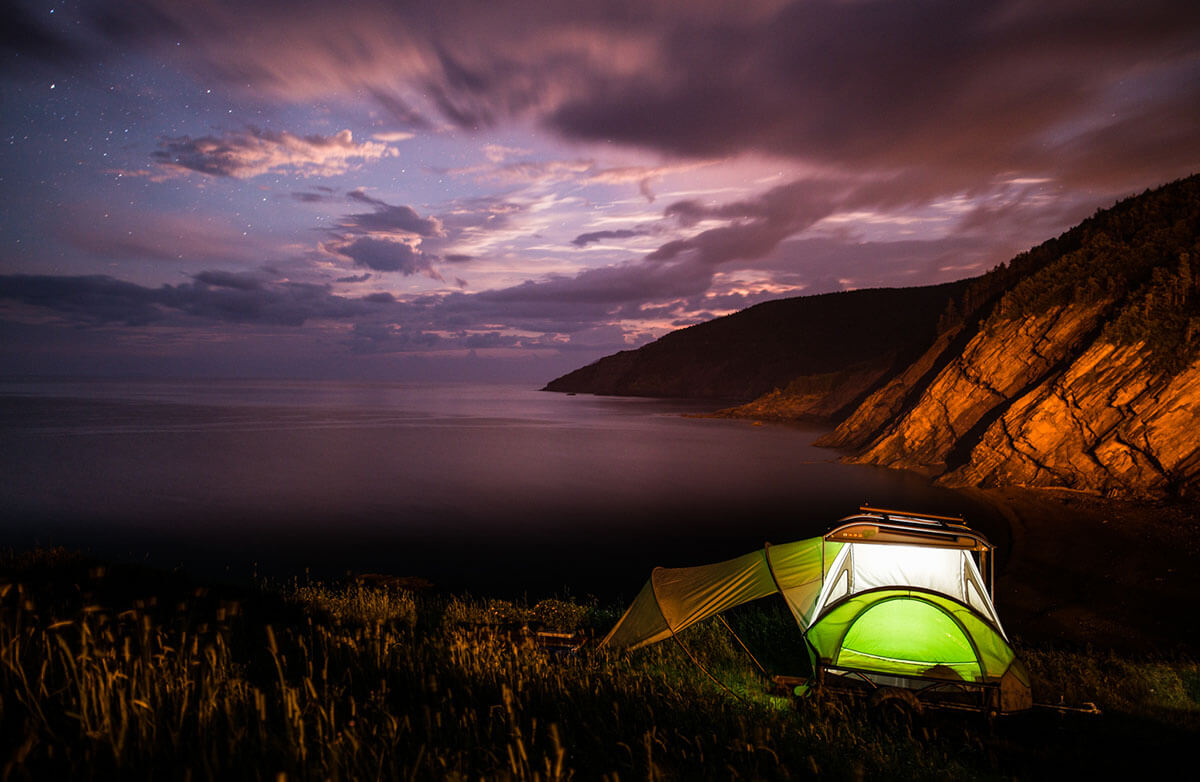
(894,707)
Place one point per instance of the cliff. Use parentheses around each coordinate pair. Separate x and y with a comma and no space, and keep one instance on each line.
(1083,372)
(1109,424)
(998,365)
(833,349)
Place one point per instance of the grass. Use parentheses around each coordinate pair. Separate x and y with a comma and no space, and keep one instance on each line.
(113,671)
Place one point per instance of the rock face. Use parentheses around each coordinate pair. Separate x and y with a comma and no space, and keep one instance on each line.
(1109,424)
(1083,373)
(881,407)
(996,366)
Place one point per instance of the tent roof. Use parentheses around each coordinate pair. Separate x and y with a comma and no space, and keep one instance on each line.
(676,598)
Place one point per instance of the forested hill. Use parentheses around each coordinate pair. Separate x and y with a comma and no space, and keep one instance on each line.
(851,339)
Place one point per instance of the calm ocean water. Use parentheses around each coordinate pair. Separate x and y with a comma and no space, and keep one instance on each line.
(493,488)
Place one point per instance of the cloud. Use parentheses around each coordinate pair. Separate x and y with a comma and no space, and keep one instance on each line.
(967,90)
(312,198)
(88,299)
(392,136)
(253,152)
(754,226)
(875,109)
(385,255)
(584,240)
(390,338)
(388,219)
(387,239)
(585,171)
(241,281)
(212,295)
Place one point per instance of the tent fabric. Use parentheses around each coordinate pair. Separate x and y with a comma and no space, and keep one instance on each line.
(676,598)
(911,632)
(870,566)
(799,570)
(880,608)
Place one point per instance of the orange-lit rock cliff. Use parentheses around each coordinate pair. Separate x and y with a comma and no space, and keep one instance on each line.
(1076,365)
(1083,374)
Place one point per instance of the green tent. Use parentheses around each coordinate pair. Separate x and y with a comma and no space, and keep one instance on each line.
(894,599)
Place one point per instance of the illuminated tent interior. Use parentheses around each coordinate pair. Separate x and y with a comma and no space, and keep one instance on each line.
(898,599)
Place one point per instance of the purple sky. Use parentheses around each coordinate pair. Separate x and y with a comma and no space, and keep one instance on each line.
(513,189)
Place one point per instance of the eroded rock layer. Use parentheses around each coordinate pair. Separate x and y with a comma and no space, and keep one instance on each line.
(1112,423)
(996,367)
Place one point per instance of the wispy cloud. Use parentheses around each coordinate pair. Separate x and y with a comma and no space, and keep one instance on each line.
(253,152)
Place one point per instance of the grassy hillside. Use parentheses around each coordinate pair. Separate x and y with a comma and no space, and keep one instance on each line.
(110,671)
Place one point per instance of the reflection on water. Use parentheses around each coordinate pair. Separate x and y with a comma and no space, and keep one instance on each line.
(488,487)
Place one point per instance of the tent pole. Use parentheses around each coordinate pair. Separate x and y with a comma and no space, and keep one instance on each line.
(742,644)
(706,672)
(688,652)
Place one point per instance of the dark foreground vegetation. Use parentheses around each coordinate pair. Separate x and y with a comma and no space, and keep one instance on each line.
(110,670)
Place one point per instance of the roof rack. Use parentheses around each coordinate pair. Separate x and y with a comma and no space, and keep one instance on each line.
(910,515)
(880,525)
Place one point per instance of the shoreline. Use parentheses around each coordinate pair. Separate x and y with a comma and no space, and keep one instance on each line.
(1087,571)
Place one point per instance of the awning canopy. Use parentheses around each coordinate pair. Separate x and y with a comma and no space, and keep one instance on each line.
(676,598)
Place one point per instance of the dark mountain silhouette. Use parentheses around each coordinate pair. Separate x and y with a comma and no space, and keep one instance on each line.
(857,336)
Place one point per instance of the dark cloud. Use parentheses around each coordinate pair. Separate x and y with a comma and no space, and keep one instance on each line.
(755,226)
(595,236)
(355,278)
(215,296)
(384,255)
(608,285)
(387,239)
(312,198)
(239,281)
(388,219)
(390,338)
(88,299)
(968,90)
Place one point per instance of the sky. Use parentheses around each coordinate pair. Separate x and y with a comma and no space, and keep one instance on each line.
(509,190)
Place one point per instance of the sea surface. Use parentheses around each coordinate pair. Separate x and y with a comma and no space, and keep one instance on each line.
(496,489)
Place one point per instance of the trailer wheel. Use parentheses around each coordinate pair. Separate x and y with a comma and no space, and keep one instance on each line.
(894,707)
